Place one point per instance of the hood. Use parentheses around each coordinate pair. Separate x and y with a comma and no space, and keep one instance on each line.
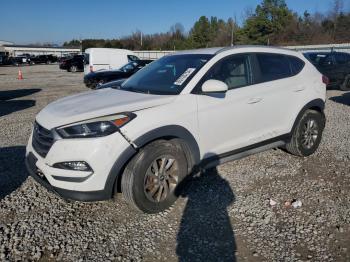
(93,104)
(103,72)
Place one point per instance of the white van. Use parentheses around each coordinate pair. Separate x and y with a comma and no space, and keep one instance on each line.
(106,59)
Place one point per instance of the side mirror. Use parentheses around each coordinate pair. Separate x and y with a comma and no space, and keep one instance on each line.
(214,86)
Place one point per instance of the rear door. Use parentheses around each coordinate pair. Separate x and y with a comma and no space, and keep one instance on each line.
(343,66)
(327,66)
(284,91)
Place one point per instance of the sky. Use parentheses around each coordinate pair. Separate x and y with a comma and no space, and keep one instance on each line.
(56,21)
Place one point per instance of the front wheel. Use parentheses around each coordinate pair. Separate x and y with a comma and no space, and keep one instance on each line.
(150,179)
(306,137)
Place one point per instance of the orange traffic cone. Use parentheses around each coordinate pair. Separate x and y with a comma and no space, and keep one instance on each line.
(20,75)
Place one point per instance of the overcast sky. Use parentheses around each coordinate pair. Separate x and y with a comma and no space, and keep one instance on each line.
(34,21)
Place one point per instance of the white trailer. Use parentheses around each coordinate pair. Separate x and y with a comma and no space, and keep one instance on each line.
(107,58)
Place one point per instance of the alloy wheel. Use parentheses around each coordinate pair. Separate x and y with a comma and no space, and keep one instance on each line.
(161,178)
(309,134)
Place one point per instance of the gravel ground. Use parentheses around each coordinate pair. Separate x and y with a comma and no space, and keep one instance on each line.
(222,215)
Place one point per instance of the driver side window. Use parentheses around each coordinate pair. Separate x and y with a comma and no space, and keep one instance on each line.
(233,70)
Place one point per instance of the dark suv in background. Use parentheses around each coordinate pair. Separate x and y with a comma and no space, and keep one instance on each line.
(72,64)
(334,65)
(43,59)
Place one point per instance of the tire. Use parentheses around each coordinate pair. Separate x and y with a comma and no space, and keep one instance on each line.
(345,86)
(141,183)
(73,69)
(306,136)
(98,84)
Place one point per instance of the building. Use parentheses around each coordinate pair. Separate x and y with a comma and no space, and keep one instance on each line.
(11,49)
(305,48)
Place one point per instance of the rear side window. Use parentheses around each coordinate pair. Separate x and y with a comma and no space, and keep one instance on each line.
(273,67)
(296,64)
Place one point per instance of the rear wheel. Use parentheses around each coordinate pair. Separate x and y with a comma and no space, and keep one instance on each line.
(150,179)
(307,135)
(73,69)
(345,86)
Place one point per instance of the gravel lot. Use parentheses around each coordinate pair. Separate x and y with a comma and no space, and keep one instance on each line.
(222,215)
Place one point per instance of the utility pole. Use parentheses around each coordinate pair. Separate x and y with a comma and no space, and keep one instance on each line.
(233,24)
(81,45)
(141,39)
(232,34)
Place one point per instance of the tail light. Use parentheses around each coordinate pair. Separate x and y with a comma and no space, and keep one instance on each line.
(325,80)
(91,69)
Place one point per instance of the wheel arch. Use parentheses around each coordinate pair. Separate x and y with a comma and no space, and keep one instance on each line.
(180,135)
(317,105)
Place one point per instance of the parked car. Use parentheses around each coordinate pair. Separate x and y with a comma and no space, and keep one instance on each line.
(107,59)
(73,64)
(334,65)
(44,59)
(189,110)
(95,79)
(5,60)
(19,60)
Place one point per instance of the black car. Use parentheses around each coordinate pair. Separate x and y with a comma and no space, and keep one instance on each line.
(334,65)
(19,60)
(43,59)
(95,79)
(72,64)
(4,60)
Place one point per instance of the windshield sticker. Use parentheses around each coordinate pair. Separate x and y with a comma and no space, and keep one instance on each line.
(184,76)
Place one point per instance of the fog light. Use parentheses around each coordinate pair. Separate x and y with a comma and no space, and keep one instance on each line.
(73,165)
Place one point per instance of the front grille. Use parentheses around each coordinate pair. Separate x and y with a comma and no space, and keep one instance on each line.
(42,140)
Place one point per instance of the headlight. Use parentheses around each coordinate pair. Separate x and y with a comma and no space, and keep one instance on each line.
(97,128)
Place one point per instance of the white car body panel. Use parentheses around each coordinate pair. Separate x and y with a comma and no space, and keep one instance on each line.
(93,104)
(219,123)
(99,153)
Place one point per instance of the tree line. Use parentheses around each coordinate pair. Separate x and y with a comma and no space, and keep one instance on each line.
(271,23)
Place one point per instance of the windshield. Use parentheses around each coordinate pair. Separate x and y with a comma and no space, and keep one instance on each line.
(128,67)
(166,76)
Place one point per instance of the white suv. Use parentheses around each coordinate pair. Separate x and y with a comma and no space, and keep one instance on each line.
(186,111)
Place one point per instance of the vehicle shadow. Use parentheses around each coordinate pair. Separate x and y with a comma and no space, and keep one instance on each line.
(12,94)
(8,107)
(12,169)
(205,232)
(342,99)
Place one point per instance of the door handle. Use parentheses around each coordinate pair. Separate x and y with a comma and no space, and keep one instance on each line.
(254,100)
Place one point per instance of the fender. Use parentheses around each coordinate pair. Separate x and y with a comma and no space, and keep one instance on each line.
(317,103)
(171,131)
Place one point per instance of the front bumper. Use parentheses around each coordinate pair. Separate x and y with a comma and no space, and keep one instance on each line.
(66,194)
(100,153)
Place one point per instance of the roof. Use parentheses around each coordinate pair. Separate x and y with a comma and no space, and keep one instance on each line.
(218,50)
(38,46)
